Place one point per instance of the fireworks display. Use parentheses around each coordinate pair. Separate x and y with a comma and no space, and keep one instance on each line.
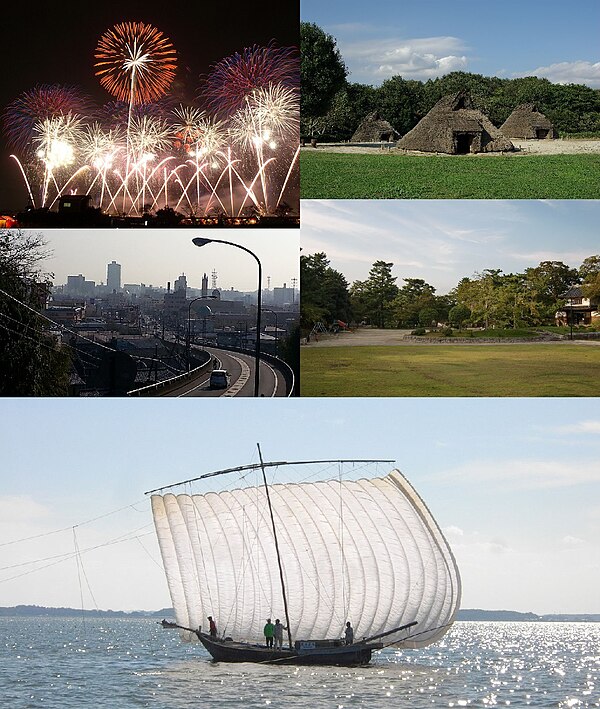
(135,62)
(42,102)
(138,154)
(234,78)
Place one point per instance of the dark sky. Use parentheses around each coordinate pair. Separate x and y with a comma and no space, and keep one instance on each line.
(54,43)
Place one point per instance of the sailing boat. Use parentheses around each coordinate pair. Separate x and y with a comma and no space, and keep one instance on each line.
(316,553)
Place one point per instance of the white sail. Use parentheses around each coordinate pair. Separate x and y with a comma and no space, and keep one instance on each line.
(368,551)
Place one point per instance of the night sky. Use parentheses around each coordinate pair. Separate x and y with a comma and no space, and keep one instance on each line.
(54,43)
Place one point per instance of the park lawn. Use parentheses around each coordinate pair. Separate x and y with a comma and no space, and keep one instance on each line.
(451,370)
(325,175)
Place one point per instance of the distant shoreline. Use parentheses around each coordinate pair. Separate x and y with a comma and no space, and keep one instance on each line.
(466,614)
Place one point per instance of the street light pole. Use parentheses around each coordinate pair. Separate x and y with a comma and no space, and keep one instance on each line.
(268,310)
(201,241)
(188,348)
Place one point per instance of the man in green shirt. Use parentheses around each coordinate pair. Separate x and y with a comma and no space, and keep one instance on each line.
(269,632)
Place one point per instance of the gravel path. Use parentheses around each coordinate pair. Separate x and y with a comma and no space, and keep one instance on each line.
(367,337)
(527,147)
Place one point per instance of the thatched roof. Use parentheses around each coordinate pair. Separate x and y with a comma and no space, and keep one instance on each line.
(527,122)
(374,129)
(454,126)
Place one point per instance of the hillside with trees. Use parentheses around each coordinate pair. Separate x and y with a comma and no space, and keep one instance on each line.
(490,299)
(333,107)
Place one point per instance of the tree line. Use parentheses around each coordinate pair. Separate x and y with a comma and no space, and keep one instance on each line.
(31,363)
(332,107)
(490,299)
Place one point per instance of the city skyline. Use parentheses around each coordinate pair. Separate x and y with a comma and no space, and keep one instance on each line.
(166,254)
(172,282)
(512,483)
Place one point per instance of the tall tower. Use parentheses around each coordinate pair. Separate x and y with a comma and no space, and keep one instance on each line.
(113,277)
(294,286)
(204,292)
(213,279)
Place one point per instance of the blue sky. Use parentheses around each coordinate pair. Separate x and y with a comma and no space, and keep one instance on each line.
(156,256)
(443,241)
(421,39)
(515,484)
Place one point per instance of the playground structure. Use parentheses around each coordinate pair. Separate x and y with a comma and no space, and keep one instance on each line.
(320,329)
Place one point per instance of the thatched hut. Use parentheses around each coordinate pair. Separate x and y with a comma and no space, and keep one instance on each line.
(527,122)
(374,129)
(455,126)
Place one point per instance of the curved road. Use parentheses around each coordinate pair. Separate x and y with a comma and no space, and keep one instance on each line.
(241,369)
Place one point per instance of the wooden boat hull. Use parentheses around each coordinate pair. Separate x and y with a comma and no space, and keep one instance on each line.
(341,656)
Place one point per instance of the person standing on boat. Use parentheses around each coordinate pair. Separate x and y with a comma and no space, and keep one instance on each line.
(212,627)
(269,632)
(349,634)
(278,633)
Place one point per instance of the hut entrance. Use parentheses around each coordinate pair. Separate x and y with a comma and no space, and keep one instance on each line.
(541,133)
(464,142)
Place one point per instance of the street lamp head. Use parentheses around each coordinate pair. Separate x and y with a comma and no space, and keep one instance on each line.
(201,241)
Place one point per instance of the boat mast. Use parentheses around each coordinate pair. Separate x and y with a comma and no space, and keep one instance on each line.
(285,605)
(255,466)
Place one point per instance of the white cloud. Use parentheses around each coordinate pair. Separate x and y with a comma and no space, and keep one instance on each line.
(20,508)
(533,257)
(570,541)
(579,72)
(423,58)
(592,427)
(354,236)
(525,474)
(454,532)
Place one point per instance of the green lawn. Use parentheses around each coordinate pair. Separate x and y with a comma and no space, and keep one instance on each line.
(451,370)
(326,175)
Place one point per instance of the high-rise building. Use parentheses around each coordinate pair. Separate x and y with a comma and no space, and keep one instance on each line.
(180,283)
(204,291)
(283,296)
(75,284)
(113,277)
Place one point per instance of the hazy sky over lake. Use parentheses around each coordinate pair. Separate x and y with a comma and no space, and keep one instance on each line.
(515,485)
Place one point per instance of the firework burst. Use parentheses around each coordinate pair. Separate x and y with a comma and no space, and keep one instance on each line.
(55,140)
(99,145)
(148,136)
(197,134)
(42,102)
(187,126)
(236,77)
(135,62)
(277,108)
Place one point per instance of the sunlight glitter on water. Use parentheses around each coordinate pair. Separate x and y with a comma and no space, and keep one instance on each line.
(130,663)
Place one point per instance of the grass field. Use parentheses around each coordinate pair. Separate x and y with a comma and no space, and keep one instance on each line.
(327,175)
(452,370)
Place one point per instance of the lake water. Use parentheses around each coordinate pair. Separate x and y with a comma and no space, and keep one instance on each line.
(70,664)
